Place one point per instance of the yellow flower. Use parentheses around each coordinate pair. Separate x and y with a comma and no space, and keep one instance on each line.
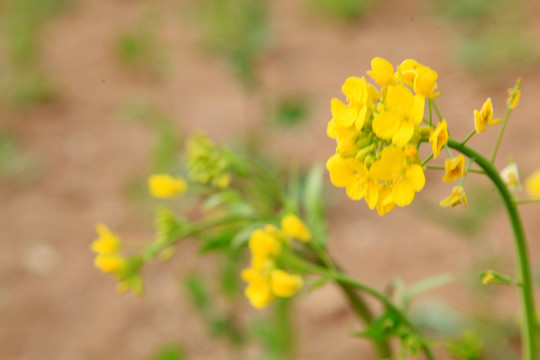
(107,242)
(455,168)
(425,82)
(259,293)
(285,284)
(484,117)
(407,71)
(110,263)
(385,202)
(510,176)
(457,197)
(166,186)
(438,138)
(532,184)
(513,100)
(405,179)
(401,114)
(381,71)
(292,226)
(263,245)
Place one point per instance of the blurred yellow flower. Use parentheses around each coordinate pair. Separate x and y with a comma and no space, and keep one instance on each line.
(293,227)
(510,176)
(110,263)
(425,82)
(285,284)
(438,138)
(107,242)
(165,186)
(532,184)
(484,117)
(455,168)
(456,198)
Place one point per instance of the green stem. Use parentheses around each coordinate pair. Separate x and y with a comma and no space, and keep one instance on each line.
(527,296)
(430,114)
(436,109)
(501,132)
(191,230)
(441,167)
(340,278)
(468,137)
(527,201)
(462,181)
(427,160)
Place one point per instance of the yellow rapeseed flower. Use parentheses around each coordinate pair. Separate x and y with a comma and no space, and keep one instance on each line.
(285,284)
(110,263)
(484,117)
(487,277)
(438,138)
(259,292)
(293,227)
(166,186)
(405,179)
(263,245)
(455,198)
(425,82)
(532,184)
(381,71)
(407,71)
(455,168)
(402,113)
(107,242)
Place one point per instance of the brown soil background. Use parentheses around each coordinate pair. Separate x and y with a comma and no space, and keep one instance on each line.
(55,305)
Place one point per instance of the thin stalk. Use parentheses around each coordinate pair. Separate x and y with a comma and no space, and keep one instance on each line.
(501,132)
(436,109)
(155,248)
(441,167)
(427,160)
(430,114)
(529,326)
(340,278)
(527,201)
(468,137)
(462,181)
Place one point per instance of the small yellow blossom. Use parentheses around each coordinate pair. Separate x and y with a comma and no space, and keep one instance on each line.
(425,82)
(510,176)
(407,71)
(381,71)
(285,284)
(438,138)
(293,227)
(405,179)
(455,168)
(166,186)
(259,293)
(487,277)
(514,95)
(484,117)
(532,184)
(107,243)
(263,245)
(110,263)
(456,198)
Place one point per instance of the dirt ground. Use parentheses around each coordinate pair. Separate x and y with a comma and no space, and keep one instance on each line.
(55,305)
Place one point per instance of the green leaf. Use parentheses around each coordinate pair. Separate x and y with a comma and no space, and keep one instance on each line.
(313,204)
(169,352)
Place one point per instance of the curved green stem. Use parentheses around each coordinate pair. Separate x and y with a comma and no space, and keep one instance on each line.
(341,278)
(527,296)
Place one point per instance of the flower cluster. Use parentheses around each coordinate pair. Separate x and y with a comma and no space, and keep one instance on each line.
(377,133)
(107,247)
(207,163)
(265,279)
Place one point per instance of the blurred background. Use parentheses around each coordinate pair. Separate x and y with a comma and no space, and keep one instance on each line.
(96,95)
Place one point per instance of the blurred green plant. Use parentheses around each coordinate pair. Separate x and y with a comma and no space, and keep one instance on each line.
(345,10)
(169,352)
(139,48)
(24,82)
(493,39)
(237,31)
(15,163)
(290,111)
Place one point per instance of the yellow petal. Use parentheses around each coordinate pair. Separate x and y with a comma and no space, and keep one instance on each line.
(403,192)
(285,284)
(415,174)
(404,134)
(385,125)
(293,227)
(399,99)
(532,184)
(381,71)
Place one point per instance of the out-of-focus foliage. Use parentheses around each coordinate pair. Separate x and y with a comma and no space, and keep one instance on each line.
(291,111)
(236,30)
(139,49)
(346,10)
(24,82)
(493,39)
(14,163)
(169,352)
(467,347)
